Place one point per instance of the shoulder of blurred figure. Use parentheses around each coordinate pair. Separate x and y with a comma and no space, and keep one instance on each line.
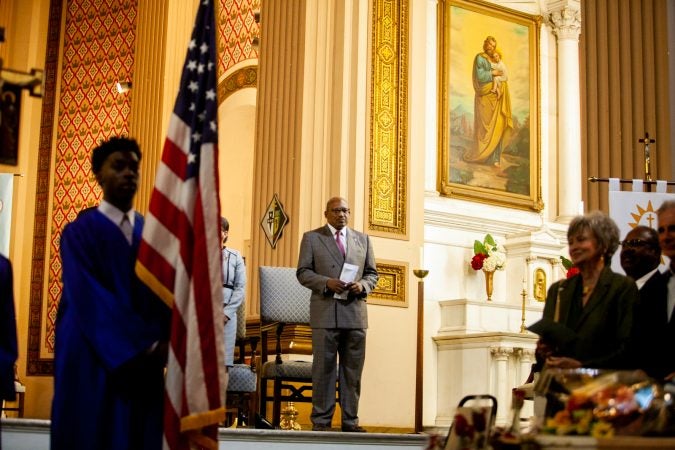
(231,251)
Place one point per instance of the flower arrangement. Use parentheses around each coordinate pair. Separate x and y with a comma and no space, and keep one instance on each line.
(602,404)
(488,255)
(569,266)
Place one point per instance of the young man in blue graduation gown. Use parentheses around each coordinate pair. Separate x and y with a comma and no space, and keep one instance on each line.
(111,332)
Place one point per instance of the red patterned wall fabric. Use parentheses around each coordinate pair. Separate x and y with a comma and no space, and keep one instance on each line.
(99,39)
(236,29)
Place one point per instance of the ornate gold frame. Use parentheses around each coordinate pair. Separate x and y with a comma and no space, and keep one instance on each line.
(459,180)
(392,287)
(388,171)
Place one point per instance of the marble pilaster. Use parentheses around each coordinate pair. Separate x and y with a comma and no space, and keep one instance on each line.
(564,17)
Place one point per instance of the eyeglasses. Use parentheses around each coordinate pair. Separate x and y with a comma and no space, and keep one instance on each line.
(340,210)
(634,243)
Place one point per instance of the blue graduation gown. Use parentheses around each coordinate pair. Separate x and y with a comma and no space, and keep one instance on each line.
(108,392)
(8,349)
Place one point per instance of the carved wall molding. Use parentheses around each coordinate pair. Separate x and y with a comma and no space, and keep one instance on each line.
(501,353)
(565,19)
(39,364)
(246,77)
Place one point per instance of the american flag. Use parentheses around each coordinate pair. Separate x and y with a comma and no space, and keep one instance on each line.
(179,255)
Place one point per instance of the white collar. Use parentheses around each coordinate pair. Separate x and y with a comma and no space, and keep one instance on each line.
(115,214)
(334,230)
(644,278)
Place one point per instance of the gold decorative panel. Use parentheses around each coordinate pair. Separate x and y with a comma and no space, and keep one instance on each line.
(388,190)
(391,288)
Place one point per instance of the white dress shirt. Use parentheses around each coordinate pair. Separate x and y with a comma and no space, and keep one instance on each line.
(644,278)
(343,235)
(116,215)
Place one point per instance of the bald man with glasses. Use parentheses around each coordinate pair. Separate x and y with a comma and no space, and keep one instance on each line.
(338,313)
(641,254)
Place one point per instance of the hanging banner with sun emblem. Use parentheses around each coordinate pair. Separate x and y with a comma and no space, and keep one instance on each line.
(630,209)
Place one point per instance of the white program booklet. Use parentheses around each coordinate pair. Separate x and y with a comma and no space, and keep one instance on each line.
(348,275)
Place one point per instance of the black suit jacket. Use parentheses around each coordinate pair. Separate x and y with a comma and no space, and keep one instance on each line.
(603,328)
(654,335)
(8,347)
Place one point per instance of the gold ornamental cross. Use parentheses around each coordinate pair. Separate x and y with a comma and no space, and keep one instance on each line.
(648,163)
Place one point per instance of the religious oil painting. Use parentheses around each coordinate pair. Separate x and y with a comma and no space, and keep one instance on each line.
(489,134)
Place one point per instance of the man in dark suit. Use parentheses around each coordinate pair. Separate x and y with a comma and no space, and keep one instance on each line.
(338,313)
(658,314)
(640,259)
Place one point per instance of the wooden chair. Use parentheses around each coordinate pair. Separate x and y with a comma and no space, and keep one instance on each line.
(20,397)
(283,300)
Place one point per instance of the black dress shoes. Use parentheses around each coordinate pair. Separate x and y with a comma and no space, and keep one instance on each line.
(262,423)
(353,429)
(317,427)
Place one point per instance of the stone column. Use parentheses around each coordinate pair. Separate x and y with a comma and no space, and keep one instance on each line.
(526,358)
(501,355)
(565,19)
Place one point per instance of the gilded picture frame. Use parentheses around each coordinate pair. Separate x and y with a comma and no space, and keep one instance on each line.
(392,286)
(489,104)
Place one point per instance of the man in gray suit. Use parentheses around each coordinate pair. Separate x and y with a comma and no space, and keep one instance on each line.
(338,313)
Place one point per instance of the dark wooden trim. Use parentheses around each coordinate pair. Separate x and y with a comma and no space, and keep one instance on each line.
(35,364)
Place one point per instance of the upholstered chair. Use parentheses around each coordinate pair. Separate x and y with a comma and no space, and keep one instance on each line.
(283,300)
(242,386)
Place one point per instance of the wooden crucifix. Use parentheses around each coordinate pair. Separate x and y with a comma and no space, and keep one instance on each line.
(648,162)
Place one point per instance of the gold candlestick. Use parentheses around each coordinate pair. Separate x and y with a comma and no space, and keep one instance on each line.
(419,369)
(288,418)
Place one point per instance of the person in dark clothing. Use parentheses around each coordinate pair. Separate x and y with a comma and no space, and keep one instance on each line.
(588,318)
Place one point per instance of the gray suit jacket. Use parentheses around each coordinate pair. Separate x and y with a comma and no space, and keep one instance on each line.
(319,260)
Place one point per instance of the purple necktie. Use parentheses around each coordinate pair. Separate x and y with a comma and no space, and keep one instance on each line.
(338,241)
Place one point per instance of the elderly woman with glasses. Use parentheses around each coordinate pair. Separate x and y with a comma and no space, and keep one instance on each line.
(588,318)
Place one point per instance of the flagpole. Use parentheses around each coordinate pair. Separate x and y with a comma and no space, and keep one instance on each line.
(179,255)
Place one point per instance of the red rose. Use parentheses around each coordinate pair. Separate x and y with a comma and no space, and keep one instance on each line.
(572,271)
(477,261)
